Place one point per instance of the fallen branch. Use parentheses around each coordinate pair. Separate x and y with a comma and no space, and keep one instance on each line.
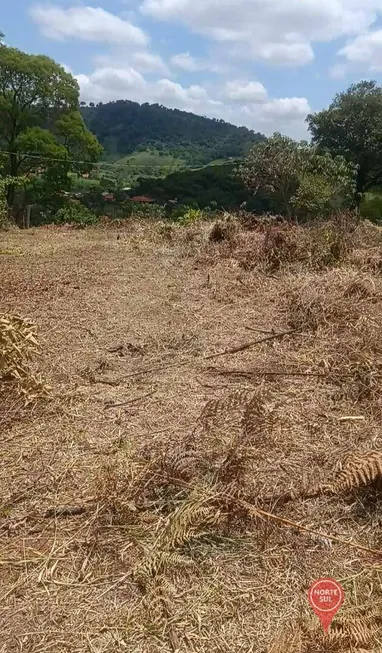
(292,524)
(65,511)
(251,343)
(129,401)
(244,373)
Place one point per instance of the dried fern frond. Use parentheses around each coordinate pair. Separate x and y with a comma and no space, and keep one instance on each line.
(288,640)
(256,420)
(156,562)
(215,409)
(357,470)
(186,522)
(181,464)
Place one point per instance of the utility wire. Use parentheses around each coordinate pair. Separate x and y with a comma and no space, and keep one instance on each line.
(92,163)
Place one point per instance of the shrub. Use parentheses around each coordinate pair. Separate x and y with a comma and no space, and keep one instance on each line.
(371,207)
(191,216)
(331,242)
(74,212)
(281,245)
(147,211)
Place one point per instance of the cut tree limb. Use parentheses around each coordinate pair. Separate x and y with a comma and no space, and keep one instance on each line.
(251,343)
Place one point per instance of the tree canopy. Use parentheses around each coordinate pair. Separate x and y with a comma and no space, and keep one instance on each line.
(298,176)
(352,127)
(40,123)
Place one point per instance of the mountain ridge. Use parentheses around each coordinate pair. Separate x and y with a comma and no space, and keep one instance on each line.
(124,127)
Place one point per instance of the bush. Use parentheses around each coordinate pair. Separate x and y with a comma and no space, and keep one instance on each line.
(191,216)
(371,207)
(74,212)
(147,211)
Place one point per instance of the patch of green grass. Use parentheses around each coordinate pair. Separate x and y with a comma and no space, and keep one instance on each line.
(150,158)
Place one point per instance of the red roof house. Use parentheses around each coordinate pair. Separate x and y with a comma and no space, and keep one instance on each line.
(141,198)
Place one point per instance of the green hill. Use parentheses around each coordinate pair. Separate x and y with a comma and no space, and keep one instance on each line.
(127,128)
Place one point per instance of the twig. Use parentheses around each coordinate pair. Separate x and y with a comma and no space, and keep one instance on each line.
(65,511)
(129,401)
(267,331)
(292,524)
(107,382)
(251,343)
(247,373)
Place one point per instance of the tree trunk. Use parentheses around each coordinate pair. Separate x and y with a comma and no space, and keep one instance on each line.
(13,171)
(27,221)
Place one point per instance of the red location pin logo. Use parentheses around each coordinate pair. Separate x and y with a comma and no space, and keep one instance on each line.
(326,596)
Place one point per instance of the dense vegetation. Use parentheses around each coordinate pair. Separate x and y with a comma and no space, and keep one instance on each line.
(302,179)
(124,127)
(51,153)
(217,186)
(352,127)
(42,133)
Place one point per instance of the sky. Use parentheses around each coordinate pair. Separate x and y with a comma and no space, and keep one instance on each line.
(264,64)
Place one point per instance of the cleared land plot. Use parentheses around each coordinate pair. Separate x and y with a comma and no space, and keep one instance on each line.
(167,499)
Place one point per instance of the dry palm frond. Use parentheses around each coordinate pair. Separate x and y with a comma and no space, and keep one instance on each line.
(18,345)
(359,469)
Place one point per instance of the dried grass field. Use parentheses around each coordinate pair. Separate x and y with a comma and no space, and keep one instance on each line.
(208,445)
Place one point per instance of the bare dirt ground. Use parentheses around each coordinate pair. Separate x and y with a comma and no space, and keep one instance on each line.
(172,494)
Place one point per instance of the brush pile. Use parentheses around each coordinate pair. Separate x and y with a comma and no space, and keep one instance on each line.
(18,346)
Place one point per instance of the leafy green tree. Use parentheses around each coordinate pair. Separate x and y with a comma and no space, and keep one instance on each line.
(298,177)
(273,167)
(325,184)
(352,127)
(40,124)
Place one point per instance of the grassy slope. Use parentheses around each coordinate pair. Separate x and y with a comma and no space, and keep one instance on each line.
(128,323)
(150,159)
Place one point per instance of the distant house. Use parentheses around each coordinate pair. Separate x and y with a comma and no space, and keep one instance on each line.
(141,198)
(108,197)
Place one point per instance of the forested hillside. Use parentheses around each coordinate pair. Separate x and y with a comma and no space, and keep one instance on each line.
(213,185)
(124,127)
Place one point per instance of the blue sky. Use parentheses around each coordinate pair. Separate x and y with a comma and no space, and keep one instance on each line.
(261,63)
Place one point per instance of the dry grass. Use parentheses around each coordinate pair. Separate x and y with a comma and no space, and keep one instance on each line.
(210,447)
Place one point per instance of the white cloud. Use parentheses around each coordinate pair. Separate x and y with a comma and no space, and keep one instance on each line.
(245,91)
(365,49)
(185,61)
(87,24)
(147,62)
(255,110)
(141,60)
(338,71)
(278,31)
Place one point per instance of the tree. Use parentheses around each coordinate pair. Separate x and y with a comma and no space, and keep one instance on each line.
(297,176)
(40,124)
(273,167)
(352,127)
(326,183)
